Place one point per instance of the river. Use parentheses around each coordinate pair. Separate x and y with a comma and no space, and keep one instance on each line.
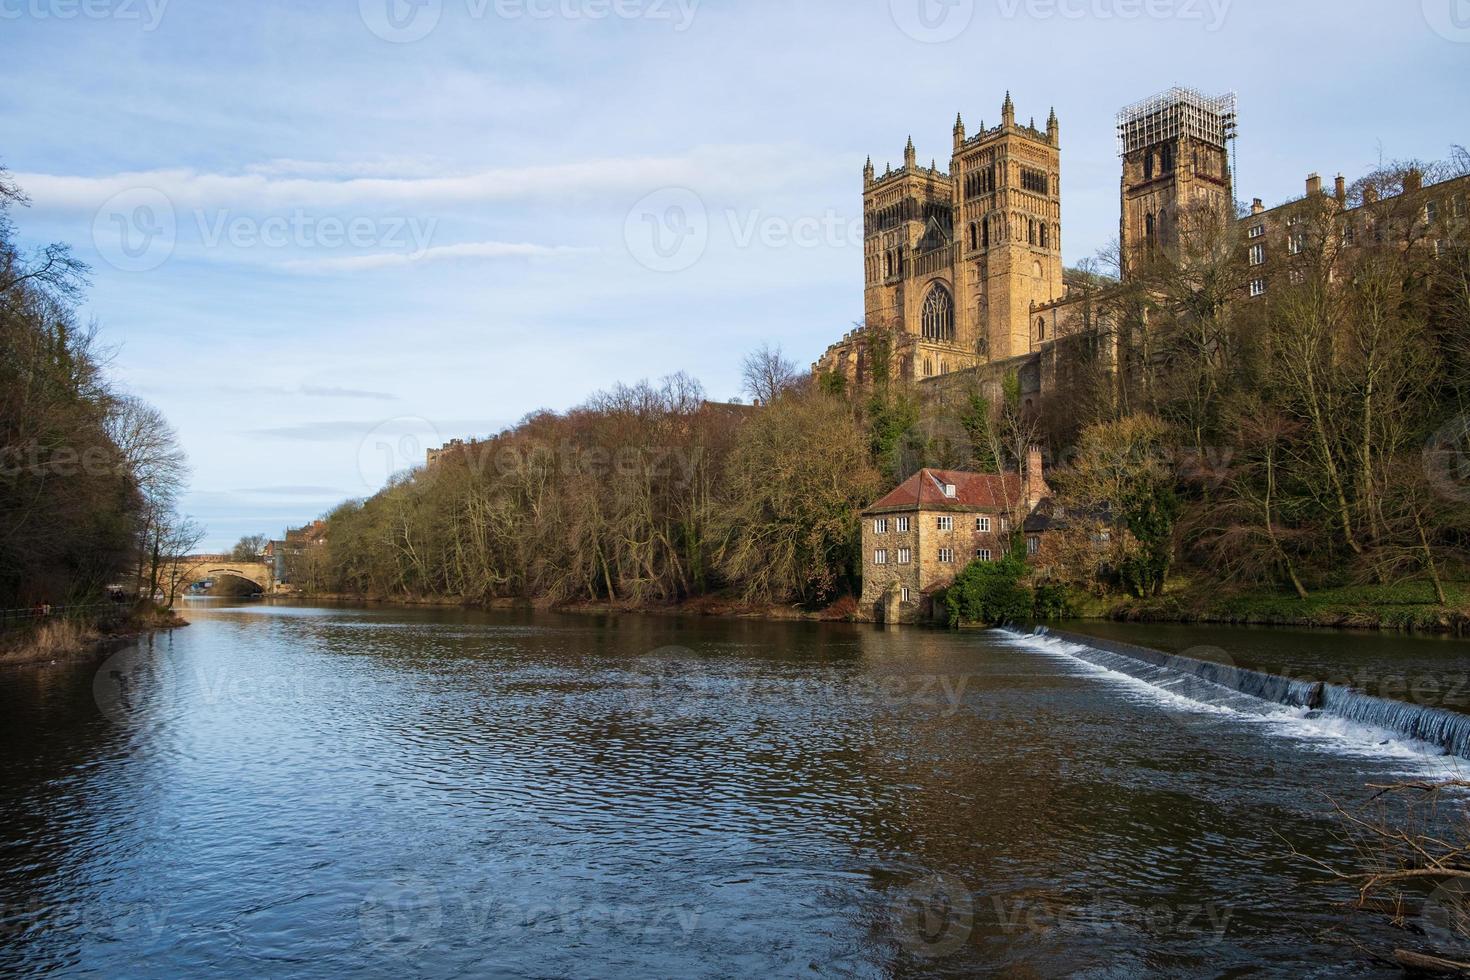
(283,790)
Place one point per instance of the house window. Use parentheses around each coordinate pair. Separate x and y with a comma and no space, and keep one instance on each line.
(903,525)
(1258,287)
(1431,212)
(905,556)
(1460,206)
(903,595)
(1033,545)
(880,557)
(1258,255)
(945,524)
(1294,243)
(983,554)
(1257,231)
(982,524)
(949,490)
(880,526)
(946,556)
(1005,525)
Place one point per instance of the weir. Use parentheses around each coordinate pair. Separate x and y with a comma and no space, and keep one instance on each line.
(1447,730)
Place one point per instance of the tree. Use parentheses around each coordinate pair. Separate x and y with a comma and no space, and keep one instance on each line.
(767,374)
(248,548)
(798,475)
(1121,467)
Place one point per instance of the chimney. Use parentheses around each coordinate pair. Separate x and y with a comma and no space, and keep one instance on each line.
(1036,487)
(1341,189)
(1257,206)
(1314,184)
(1413,181)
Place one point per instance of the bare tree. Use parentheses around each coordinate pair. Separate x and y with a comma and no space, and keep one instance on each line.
(767,373)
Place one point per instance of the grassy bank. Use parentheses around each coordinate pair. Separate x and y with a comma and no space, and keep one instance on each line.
(72,639)
(1408,606)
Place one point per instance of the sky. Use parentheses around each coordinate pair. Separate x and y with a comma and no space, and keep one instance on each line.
(326,236)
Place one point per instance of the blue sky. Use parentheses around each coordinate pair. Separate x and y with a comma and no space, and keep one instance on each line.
(326,235)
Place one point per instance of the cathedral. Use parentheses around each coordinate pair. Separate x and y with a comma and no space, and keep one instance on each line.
(964,267)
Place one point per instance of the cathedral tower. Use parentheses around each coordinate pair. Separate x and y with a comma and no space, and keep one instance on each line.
(1175,150)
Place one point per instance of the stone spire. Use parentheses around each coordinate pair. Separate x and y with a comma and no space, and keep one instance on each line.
(959,130)
(910,156)
(1053,128)
(868,172)
(1008,111)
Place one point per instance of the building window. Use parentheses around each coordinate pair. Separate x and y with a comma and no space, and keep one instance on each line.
(880,557)
(880,526)
(1166,158)
(1148,165)
(938,316)
(903,525)
(985,233)
(1005,525)
(1258,255)
(1258,287)
(903,595)
(1041,328)
(982,524)
(1294,243)
(983,554)
(1460,205)
(946,556)
(905,556)
(1045,235)
(1257,231)
(974,235)
(945,524)
(1033,545)
(1431,212)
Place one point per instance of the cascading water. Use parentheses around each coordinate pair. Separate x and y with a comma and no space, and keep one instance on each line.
(1226,685)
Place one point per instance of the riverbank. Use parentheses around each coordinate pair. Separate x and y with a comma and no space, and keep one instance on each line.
(64,639)
(844,610)
(1408,607)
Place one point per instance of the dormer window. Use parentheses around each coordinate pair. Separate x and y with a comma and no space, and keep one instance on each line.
(949,490)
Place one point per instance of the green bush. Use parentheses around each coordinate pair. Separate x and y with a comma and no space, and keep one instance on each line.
(990,592)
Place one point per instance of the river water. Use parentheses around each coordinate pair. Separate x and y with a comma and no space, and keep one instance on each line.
(291,791)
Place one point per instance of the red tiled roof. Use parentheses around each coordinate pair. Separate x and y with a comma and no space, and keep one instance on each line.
(926,489)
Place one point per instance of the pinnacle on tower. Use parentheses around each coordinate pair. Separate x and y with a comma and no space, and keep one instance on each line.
(1033,122)
(959,120)
(1008,111)
(910,156)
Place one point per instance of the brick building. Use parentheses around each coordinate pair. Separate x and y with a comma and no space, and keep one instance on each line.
(917,538)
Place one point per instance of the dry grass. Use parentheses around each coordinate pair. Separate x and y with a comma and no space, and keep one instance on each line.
(57,639)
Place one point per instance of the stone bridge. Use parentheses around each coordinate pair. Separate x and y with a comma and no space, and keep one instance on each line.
(258,573)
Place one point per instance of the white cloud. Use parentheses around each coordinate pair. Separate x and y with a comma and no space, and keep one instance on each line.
(707,169)
(464,250)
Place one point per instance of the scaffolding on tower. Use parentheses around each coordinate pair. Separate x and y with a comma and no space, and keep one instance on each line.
(1179,112)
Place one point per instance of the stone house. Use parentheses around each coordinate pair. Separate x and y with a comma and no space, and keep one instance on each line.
(917,538)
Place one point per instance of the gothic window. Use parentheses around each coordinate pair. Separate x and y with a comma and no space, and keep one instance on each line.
(1041,328)
(1166,158)
(1148,165)
(985,233)
(974,236)
(1045,236)
(938,318)
(1163,218)
(1030,231)
(1148,228)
